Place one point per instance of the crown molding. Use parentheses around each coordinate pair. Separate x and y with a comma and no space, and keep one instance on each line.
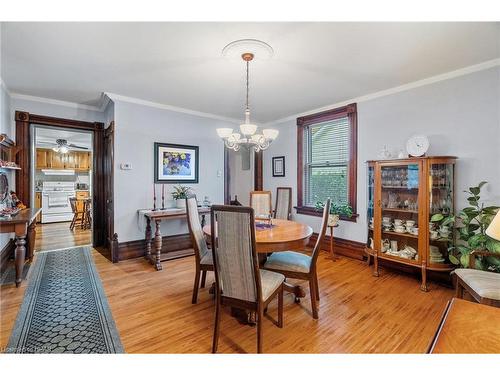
(55,102)
(412,85)
(122,98)
(2,84)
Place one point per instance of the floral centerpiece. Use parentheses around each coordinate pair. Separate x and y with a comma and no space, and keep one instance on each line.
(180,194)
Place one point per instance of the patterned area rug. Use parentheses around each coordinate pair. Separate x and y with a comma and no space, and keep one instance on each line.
(64,309)
(9,275)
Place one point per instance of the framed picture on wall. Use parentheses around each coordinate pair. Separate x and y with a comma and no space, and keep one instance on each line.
(175,163)
(279,166)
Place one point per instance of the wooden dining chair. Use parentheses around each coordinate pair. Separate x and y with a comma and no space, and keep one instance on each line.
(78,215)
(296,265)
(283,207)
(202,255)
(260,201)
(239,281)
(87,213)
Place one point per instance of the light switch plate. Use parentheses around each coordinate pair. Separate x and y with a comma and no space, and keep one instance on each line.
(126,166)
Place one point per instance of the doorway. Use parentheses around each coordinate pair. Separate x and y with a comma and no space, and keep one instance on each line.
(61,171)
(25,180)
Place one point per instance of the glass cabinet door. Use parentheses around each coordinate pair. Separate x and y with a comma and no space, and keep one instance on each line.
(370,209)
(441,206)
(399,221)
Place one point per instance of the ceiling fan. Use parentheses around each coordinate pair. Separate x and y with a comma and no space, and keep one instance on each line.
(62,146)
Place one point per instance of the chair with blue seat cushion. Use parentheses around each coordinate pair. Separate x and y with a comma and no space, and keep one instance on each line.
(239,281)
(301,266)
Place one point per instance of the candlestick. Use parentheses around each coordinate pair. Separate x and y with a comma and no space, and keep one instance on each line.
(163,196)
(154,198)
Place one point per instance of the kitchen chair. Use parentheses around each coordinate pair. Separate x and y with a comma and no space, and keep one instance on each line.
(283,208)
(260,201)
(87,217)
(203,256)
(300,266)
(78,215)
(239,281)
(483,286)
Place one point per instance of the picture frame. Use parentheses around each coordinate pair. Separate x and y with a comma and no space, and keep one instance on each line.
(174,163)
(278,166)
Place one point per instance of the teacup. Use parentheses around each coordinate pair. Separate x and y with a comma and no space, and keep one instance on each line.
(386,219)
(398,222)
(394,246)
(434,234)
(399,229)
(413,230)
(410,223)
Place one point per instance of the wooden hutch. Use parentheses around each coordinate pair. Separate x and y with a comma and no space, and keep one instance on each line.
(403,195)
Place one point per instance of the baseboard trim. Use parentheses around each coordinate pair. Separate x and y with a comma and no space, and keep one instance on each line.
(7,253)
(176,246)
(341,246)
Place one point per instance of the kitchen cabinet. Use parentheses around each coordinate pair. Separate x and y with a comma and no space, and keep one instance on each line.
(42,158)
(82,160)
(56,160)
(49,159)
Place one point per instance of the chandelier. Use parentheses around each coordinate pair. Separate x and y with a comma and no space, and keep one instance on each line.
(249,136)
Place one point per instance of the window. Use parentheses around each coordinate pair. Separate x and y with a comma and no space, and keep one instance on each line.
(327,150)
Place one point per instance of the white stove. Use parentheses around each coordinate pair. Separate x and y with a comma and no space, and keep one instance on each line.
(55,201)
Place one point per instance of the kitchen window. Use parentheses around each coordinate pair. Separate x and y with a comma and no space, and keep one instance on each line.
(327,159)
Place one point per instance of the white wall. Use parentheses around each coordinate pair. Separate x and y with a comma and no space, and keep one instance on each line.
(460,116)
(137,127)
(6,126)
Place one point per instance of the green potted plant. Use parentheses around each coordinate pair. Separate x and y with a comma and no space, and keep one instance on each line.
(336,210)
(473,221)
(180,194)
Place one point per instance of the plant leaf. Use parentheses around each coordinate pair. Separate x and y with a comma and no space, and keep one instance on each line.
(481,184)
(437,217)
(475,190)
(453,259)
(464,260)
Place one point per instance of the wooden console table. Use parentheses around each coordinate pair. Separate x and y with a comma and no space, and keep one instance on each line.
(467,327)
(23,225)
(157,217)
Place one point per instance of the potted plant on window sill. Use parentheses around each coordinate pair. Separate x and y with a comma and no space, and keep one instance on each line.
(180,194)
(336,211)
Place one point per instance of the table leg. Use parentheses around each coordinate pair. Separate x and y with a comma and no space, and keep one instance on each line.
(20,255)
(30,241)
(203,220)
(147,255)
(158,243)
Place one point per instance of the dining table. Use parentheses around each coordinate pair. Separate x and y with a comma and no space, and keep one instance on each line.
(278,235)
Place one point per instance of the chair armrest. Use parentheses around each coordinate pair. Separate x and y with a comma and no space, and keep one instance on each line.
(474,253)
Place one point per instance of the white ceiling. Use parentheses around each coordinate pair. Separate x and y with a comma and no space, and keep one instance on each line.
(180,64)
(78,138)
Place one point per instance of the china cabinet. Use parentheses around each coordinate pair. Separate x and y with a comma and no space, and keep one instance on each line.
(404,195)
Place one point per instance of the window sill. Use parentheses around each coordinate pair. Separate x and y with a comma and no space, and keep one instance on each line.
(311,211)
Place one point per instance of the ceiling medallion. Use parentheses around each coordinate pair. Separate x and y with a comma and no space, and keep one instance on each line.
(249,136)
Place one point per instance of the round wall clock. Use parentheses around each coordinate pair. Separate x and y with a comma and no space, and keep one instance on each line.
(417,145)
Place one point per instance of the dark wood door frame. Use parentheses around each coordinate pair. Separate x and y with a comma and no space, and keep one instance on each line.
(24,123)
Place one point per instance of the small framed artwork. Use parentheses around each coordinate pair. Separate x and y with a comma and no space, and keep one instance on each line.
(175,163)
(279,166)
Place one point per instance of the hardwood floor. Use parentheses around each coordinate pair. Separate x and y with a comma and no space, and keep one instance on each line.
(358,312)
(52,236)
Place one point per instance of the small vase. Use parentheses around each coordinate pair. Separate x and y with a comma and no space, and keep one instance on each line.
(180,203)
(333,220)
